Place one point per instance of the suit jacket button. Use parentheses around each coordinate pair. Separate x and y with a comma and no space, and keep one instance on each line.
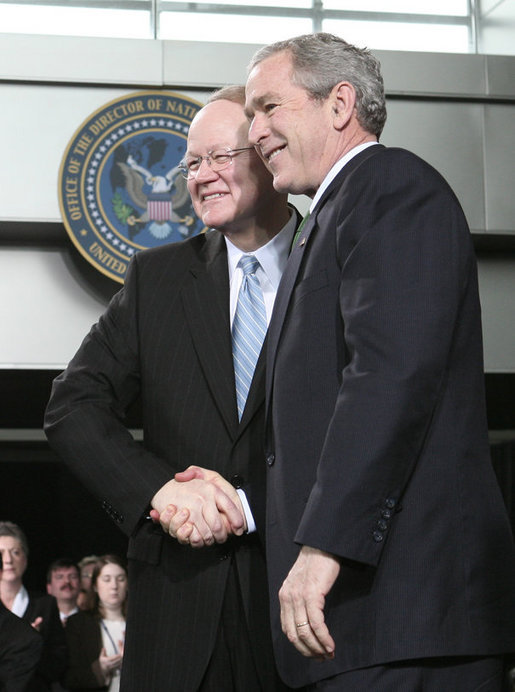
(378,536)
(270,459)
(237,481)
(390,503)
(382,525)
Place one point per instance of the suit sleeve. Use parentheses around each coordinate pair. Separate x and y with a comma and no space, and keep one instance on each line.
(405,258)
(84,420)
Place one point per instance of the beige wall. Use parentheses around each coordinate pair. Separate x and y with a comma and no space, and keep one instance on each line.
(456,111)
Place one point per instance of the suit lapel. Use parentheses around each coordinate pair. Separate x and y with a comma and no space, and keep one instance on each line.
(289,277)
(257,390)
(207,284)
(283,297)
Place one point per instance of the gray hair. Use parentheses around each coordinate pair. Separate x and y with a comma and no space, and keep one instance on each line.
(88,560)
(9,528)
(234,93)
(322,60)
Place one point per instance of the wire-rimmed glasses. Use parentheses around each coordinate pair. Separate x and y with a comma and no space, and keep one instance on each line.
(217,160)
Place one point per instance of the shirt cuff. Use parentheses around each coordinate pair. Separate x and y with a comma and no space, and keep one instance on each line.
(251,524)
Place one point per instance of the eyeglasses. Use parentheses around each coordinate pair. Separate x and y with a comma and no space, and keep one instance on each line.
(217,160)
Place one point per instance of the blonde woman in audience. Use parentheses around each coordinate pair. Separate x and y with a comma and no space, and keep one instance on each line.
(86,599)
(96,637)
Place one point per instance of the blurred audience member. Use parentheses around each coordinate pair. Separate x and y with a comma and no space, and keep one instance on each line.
(38,610)
(63,583)
(96,637)
(86,596)
(20,650)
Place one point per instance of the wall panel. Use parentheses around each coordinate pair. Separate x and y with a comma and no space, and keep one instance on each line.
(456,111)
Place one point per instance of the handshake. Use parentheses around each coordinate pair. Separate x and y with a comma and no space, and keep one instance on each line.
(199,507)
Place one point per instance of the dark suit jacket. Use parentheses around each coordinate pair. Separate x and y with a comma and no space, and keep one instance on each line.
(54,657)
(377,440)
(166,337)
(84,639)
(20,651)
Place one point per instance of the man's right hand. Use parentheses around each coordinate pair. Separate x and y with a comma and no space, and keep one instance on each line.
(201,509)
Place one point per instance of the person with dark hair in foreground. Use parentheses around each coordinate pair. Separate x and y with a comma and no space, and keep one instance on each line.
(390,558)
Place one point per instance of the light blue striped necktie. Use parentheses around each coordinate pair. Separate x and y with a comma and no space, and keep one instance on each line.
(248,329)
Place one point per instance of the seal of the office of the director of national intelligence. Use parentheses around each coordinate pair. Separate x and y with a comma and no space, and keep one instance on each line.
(120,188)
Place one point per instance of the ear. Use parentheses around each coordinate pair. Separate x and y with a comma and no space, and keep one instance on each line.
(343,100)
(49,589)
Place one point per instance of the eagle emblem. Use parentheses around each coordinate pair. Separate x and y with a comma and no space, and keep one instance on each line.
(121,190)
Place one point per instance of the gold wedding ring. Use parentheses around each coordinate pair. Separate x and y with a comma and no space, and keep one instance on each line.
(302,624)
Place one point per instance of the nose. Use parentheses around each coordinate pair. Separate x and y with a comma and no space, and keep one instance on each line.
(205,172)
(257,130)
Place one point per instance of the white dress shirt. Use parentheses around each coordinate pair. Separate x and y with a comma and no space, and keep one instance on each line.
(272,259)
(336,169)
(21,602)
(64,616)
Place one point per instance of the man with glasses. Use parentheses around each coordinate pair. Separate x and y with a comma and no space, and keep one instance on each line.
(197,618)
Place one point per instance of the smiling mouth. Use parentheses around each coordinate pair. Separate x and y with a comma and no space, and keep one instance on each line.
(215,195)
(270,157)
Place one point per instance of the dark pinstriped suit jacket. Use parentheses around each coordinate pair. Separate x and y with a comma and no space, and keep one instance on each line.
(377,444)
(166,337)
(84,638)
(20,652)
(54,656)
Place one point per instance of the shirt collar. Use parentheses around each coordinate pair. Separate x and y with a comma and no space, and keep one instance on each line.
(272,257)
(336,169)
(21,601)
(64,616)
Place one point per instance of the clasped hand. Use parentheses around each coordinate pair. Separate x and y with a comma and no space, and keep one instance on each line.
(199,507)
